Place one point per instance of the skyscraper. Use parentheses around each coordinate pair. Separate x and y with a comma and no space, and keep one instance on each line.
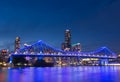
(67,43)
(68,38)
(17,43)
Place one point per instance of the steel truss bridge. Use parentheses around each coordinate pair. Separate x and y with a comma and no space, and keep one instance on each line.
(42,49)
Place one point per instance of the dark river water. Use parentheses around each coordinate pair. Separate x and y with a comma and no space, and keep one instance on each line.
(61,74)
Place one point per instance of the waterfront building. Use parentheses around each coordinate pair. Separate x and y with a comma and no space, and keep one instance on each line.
(17,44)
(4,56)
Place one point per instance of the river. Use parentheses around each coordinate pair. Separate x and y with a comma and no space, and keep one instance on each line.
(61,74)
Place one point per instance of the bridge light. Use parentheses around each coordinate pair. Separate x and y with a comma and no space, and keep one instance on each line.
(15,53)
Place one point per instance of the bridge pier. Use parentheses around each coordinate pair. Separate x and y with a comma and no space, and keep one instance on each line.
(11,60)
(68,61)
(78,61)
(103,61)
(56,61)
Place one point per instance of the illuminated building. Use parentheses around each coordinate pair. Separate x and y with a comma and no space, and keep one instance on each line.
(30,50)
(118,58)
(67,43)
(17,43)
(4,52)
(26,45)
(4,55)
(68,39)
(76,47)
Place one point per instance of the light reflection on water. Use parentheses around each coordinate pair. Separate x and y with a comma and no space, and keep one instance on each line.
(61,74)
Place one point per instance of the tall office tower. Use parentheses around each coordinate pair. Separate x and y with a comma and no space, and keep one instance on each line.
(66,45)
(17,43)
(68,39)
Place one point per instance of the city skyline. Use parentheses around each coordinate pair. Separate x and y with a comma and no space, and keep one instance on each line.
(91,24)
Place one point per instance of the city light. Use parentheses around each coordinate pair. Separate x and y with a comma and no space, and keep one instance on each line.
(68,52)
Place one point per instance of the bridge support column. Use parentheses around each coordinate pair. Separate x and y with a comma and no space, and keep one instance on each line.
(11,61)
(55,61)
(68,61)
(103,61)
(78,60)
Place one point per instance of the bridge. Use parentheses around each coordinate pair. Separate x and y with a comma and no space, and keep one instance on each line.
(42,49)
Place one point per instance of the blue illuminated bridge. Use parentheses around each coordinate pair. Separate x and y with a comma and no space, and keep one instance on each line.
(41,49)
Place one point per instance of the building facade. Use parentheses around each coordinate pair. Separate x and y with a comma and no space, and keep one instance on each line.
(66,45)
(17,44)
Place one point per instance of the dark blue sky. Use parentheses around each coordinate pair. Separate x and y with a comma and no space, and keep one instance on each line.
(93,23)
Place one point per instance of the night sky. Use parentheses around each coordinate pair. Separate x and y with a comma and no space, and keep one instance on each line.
(93,23)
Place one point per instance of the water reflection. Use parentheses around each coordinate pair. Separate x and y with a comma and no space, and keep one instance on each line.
(61,74)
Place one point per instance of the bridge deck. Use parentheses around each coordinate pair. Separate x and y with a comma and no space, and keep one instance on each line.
(49,55)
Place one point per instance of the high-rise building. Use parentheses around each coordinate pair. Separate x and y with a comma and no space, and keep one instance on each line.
(76,47)
(67,43)
(68,38)
(17,43)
